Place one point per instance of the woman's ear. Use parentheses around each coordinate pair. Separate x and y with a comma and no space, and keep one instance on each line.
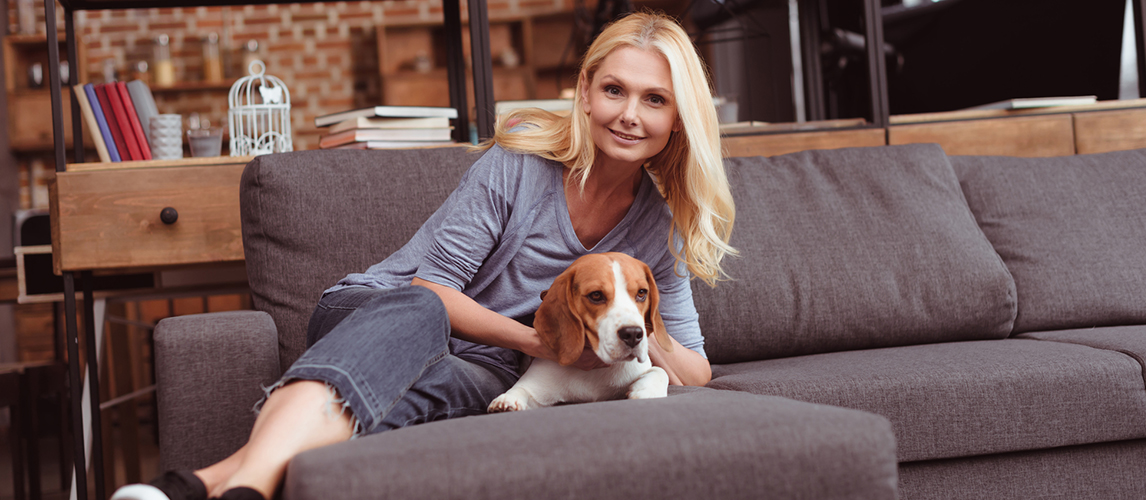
(653,322)
(678,125)
(560,328)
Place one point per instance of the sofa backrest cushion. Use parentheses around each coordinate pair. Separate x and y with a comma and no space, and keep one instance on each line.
(1071,229)
(852,249)
(310,218)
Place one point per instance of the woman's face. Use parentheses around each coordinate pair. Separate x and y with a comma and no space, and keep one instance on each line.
(630,106)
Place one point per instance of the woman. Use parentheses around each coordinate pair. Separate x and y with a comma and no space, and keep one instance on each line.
(427,334)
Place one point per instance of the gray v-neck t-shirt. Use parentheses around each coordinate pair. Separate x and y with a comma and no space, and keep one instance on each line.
(505,234)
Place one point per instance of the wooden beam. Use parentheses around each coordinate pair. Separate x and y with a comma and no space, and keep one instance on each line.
(1027,136)
(1103,131)
(778,144)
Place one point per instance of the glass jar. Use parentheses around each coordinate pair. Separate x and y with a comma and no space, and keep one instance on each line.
(212,61)
(164,68)
(250,53)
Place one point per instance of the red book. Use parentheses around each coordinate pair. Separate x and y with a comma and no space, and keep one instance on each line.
(109,116)
(133,117)
(120,113)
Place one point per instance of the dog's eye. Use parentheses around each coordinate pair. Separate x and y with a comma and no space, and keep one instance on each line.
(596,297)
(642,294)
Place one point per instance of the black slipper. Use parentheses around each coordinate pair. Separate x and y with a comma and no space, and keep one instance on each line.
(242,493)
(172,485)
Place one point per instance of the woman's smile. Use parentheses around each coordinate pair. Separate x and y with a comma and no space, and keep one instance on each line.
(626,137)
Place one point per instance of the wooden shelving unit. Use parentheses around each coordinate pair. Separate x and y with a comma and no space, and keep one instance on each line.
(30,108)
(524,51)
(193,87)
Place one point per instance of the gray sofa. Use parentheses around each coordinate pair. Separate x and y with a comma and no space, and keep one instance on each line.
(899,323)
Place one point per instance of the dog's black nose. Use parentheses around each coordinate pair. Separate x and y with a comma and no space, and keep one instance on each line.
(631,335)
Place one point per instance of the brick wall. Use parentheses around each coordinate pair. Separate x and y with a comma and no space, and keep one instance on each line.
(325,53)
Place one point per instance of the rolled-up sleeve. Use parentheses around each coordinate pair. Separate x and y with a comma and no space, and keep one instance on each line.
(676,306)
(473,222)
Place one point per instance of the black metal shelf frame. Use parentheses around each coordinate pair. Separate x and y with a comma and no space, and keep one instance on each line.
(455,64)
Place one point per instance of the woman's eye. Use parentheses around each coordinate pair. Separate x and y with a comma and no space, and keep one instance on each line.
(596,297)
(656,99)
(642,294)
(612,90)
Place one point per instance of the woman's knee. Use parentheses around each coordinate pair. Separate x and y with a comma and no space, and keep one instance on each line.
(415,303)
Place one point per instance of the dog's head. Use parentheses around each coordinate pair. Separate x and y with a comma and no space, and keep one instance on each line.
(608,301)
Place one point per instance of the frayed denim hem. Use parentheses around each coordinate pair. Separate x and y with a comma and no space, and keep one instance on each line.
(334,399)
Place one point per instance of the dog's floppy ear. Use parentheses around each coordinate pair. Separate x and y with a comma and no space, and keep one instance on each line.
(560,328)
(653,322)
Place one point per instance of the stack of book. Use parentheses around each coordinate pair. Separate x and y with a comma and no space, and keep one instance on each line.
(117,115)
(387,127)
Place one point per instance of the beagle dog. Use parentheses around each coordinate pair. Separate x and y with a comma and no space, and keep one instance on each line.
(609,303)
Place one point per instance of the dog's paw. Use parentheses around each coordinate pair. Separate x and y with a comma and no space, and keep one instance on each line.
(647,393)
(653,384)
(504,403)
(511,401)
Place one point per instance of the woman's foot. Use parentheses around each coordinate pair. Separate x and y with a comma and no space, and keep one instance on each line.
(172,485)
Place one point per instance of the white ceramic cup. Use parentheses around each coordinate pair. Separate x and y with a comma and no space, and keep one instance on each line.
(166,137)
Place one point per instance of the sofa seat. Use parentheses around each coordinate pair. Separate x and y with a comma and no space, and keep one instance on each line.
(696,443)
(967,398)
(1128,340)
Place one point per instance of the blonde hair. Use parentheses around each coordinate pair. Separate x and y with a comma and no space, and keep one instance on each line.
(689,170)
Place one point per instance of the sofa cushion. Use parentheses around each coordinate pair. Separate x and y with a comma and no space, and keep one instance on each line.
(967,398)
(852,249)
(1072,231)
(696,444)
(1128,340)
(311,217)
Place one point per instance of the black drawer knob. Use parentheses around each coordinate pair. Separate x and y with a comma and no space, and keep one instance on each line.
(168,215)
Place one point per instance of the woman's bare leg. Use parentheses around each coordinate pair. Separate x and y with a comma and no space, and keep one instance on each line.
(296,417)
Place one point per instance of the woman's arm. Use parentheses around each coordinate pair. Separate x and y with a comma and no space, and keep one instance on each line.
(471,322)
(684,366)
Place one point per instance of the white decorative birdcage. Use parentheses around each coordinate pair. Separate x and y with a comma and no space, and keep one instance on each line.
(263,127)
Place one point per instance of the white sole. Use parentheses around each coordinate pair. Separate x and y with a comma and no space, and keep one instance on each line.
(139,492)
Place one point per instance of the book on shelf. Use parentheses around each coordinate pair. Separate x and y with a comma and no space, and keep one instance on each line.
(395,145)
(386,112)
(101,122)
(133,120)
(121,121)
(377,134)
(1038,102)
(363,122)
(90,123)
(144,104)
(112,122)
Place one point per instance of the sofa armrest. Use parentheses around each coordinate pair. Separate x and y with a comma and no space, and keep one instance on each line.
(210,370)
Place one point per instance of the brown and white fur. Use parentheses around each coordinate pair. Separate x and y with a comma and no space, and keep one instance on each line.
(608,302)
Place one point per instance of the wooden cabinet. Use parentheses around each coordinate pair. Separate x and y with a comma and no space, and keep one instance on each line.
(30,106)
(412,58)
(105,216)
